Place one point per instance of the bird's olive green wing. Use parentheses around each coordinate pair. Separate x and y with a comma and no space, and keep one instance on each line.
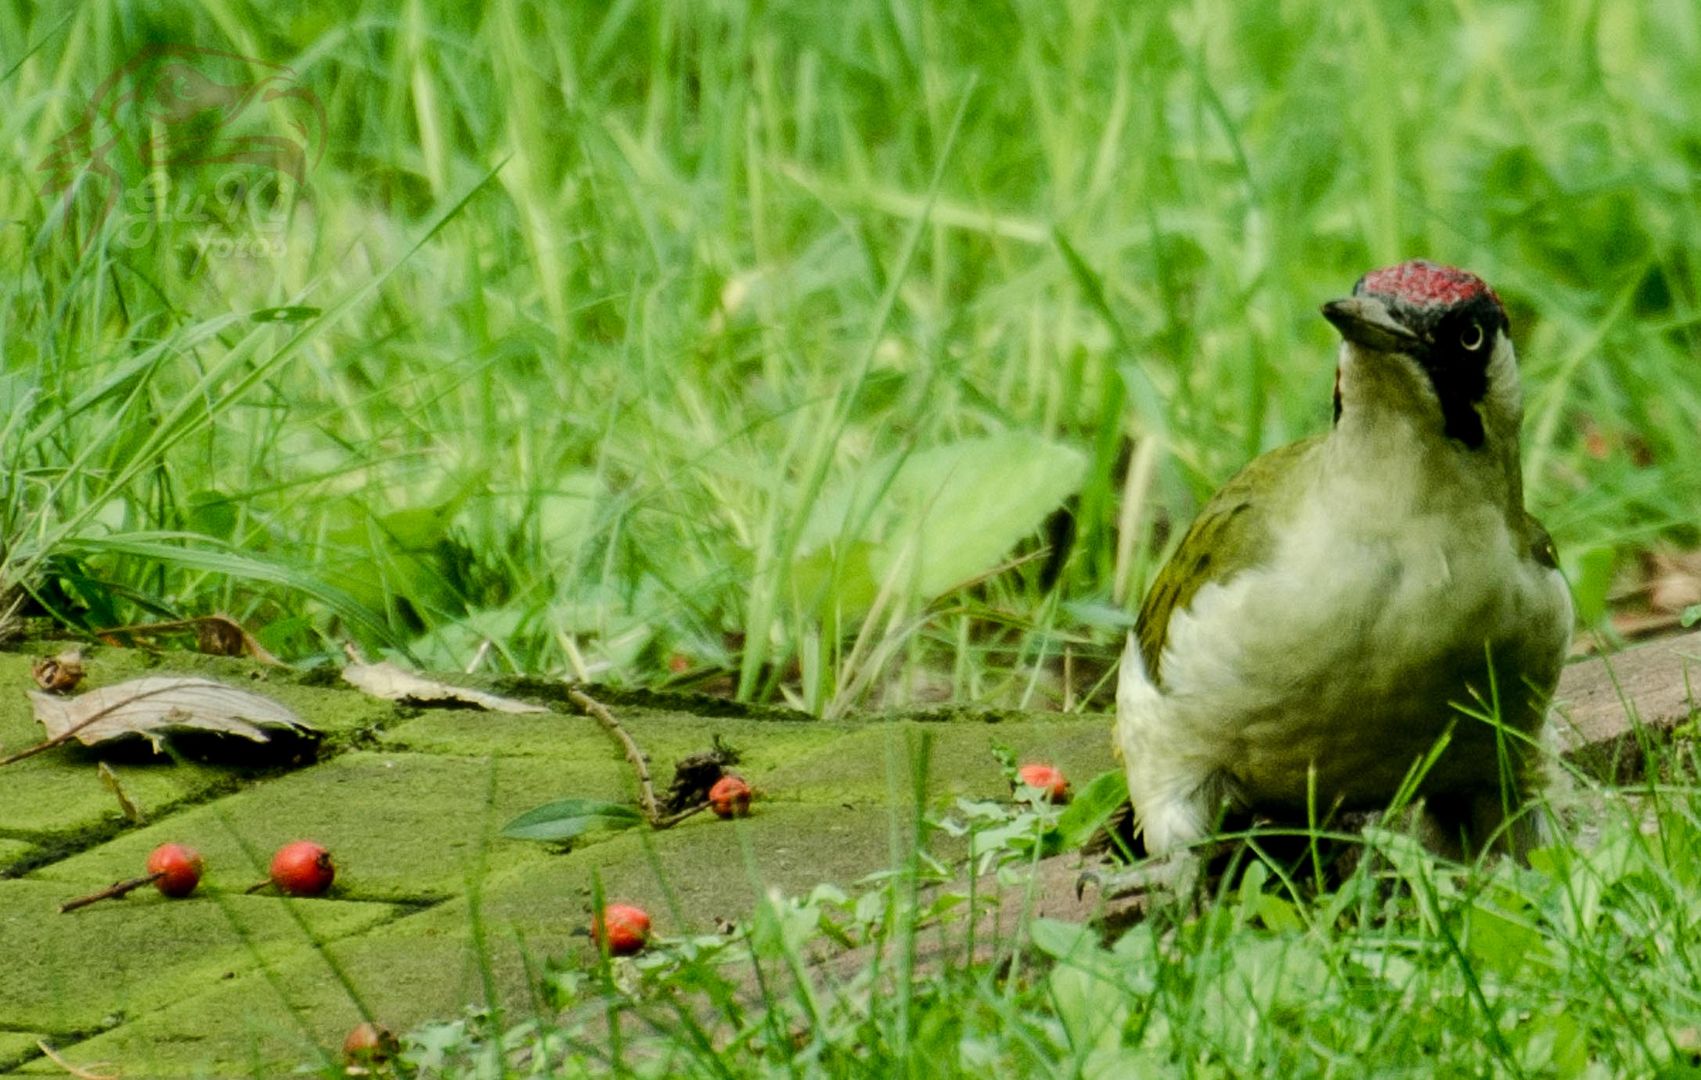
(1232,533)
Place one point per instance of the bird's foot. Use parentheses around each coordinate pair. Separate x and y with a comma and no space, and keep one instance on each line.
(1176,874)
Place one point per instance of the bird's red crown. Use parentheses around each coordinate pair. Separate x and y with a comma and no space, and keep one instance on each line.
(1420,283)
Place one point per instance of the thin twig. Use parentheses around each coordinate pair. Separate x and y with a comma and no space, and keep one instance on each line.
(674,819)
(41,747)
(117,888)
(79,1073)
(646,790)
(250,644)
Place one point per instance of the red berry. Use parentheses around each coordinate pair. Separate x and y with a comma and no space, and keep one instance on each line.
(369,1044)
(1048,779)
(303,868)
(628,929)
(179,869)
(730,797)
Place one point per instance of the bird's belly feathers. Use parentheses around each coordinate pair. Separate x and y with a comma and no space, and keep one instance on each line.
(1343,659)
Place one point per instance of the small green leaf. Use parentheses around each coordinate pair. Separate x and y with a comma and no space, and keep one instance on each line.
(1278,914)
(1065,941)
(1251,888)
(567,818)
(924,521)
(1500,942)
(1089,810)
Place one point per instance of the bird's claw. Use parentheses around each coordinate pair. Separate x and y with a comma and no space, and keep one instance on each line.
(1153,875)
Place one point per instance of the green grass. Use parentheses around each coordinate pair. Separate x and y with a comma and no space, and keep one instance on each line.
(597,329)
(758,341)
(1579,965)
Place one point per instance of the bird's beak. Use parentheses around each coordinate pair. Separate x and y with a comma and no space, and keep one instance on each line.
(1366,321)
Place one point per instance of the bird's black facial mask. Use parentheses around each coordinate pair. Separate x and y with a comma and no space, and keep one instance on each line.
(1457,319)
(1460,345)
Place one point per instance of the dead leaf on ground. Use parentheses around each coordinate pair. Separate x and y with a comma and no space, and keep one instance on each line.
(386,680)
(219,635)
(159,704)
(59,674)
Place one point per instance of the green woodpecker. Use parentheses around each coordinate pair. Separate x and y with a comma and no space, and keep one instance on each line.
(1351,606)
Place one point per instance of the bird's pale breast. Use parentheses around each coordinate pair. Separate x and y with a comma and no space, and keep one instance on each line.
(1348,651)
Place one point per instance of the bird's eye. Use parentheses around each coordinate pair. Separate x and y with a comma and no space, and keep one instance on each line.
(1472,338)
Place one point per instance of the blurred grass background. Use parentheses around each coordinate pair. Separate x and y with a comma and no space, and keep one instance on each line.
(751,346)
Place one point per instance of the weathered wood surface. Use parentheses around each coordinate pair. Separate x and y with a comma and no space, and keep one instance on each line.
(1608,708)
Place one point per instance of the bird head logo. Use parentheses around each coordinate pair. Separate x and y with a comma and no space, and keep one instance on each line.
(196,134)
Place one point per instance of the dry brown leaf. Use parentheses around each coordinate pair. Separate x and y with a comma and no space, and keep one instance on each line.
(59,674)
(386,680)
(219,635)
(160,703)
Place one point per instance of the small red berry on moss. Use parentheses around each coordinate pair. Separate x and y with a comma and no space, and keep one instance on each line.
(628,929)
(178,869)
(303,868)
(730,797)
(369,1044)
(1047,778)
